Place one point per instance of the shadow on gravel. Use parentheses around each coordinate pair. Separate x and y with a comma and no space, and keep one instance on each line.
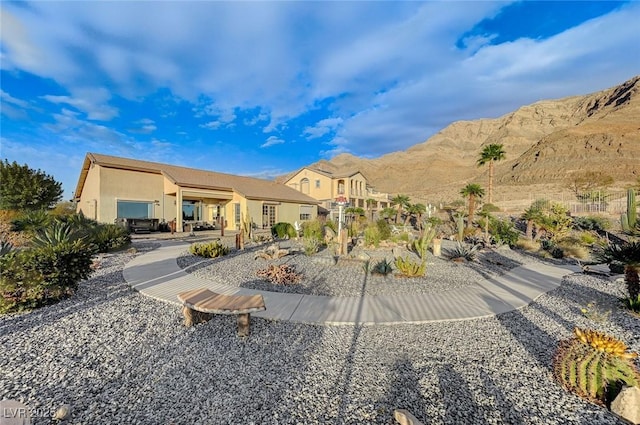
(536,341)
(508,410)
(459,403)
(405,392)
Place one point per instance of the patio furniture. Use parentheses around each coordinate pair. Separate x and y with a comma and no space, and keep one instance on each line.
(199,305)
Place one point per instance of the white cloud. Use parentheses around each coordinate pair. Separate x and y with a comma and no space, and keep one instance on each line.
(92,101)
(272,140)
(322,127)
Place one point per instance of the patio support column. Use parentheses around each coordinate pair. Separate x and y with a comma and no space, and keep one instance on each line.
(179,210)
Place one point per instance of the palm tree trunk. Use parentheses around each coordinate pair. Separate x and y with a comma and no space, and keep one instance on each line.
(490,182)
(529,232)
(472,207)
(632,280)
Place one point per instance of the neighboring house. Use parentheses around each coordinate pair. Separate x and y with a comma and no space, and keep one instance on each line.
(111,188)
(326,187)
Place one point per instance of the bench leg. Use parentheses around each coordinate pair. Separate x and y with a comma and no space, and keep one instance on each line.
(193,317)
(244,321)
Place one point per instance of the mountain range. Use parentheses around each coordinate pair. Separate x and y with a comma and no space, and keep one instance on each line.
(548,144)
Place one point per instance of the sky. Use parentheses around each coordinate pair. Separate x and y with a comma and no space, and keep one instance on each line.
(264,88)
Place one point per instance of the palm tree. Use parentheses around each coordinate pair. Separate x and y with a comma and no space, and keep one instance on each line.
(472,191)
(531,215)
(370,203)
(401,201)
(490,154)
(416,210)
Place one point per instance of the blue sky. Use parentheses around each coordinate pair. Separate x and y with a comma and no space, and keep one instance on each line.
(263,88)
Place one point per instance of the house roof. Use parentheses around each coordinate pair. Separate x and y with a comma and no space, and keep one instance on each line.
(334,175)
(249,187)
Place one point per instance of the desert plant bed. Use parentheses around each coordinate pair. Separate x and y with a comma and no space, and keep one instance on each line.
(347,277)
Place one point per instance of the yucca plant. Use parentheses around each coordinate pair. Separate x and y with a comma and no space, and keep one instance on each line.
(410,268)
(5,247)
(593,365)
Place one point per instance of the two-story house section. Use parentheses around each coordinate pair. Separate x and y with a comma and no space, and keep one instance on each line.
(327,186)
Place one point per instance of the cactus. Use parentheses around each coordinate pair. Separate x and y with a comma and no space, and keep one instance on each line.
(593,365)
(629,220)
(459,219)
(421,245)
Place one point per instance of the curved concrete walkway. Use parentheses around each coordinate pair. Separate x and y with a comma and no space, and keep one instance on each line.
(157,275)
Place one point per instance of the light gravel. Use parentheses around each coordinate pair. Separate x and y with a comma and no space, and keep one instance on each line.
(118,357)
(347,278)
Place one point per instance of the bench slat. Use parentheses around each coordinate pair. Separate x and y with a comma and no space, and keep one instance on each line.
(207,301)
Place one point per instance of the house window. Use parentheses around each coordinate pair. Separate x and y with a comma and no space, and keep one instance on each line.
(317,184)
(191,210)
(304,185)
(236,214)
(306,212)
(268,215)
(135,209)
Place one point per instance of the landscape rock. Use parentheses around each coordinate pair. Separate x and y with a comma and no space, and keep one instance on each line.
(627,404)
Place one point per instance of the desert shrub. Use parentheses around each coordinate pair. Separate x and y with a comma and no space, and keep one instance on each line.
(332,225)
(382,267)
(209,250)
(5,247)
(282,274)
(283,230)
(384,229)
(110,236)
(503,231)
(592,222)
(372,236)
(33,277)
(573,249)
(409,268)
(528,245)
(312,230)
(310,245)
(588,238)
(489,208)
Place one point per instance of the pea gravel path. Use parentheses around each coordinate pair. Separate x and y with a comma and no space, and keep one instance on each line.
(118,357)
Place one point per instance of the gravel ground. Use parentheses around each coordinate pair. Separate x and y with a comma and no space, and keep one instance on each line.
(346,278)
(118,357)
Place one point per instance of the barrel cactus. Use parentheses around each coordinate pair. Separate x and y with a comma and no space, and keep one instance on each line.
(594,365)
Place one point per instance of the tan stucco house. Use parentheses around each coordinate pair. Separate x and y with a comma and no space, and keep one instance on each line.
(326,187)
(112,188)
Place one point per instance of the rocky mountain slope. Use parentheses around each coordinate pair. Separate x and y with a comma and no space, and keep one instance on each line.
(546,143)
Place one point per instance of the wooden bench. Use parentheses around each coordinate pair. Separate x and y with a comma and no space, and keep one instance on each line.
(199,306)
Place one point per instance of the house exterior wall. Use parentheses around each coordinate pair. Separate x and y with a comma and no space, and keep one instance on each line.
(90,201)
(116,184)
(326,190)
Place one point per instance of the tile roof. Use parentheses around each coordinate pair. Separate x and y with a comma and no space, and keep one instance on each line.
(249,187)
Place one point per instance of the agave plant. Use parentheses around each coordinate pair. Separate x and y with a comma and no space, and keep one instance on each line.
(628,254)
(5,247)
(382,267)
(55,234)
(463,252)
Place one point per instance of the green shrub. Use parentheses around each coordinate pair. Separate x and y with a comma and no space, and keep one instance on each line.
(31,221)
(283,230)
(311,245)
(592,222)
(110,236)
(503,231)
(332,225)
(588,238)
(384,229)
(489,208)
(209,250)
(312,230)
(40,275)
(372,236)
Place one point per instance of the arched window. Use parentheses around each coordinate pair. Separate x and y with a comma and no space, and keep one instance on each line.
(304,185)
